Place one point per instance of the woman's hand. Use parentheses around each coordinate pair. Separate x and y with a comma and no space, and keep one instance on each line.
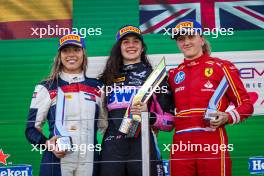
(138,107)
(53,147)
(221,119)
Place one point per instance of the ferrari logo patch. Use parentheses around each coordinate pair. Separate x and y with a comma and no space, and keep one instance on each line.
(208,72)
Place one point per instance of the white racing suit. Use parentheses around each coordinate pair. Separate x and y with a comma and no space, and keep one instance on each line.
(83,108)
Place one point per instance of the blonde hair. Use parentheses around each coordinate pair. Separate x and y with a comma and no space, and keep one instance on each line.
(57,66)
(206,47)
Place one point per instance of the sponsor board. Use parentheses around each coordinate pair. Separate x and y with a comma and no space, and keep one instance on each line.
(256,165)
(19,170)
(166,166)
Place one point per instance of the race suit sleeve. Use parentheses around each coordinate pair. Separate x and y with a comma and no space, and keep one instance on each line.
(39,108)
(162,109)
(102,120)
(237,94)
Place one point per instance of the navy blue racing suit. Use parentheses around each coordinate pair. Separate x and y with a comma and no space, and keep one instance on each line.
(121,156)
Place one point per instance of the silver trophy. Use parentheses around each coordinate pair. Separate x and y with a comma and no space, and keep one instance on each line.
(131,123)
(215,99)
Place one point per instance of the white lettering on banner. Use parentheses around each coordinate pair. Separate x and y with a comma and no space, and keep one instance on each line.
(10,172)
(257,165)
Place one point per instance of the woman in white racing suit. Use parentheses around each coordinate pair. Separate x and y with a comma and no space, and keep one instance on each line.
(81,108)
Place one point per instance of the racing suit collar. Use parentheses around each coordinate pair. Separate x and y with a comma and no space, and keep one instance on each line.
(132,67)
(72,78)
(197,61)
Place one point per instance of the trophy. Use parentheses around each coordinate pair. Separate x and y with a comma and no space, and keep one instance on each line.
(131,123)
(215,99)
(64,142)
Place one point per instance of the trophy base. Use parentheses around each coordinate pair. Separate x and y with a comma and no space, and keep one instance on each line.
(64,143)
(125,125)
(130,127)
(134,129)
(207,117)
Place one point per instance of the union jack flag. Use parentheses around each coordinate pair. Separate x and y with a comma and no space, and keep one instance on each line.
(155,15)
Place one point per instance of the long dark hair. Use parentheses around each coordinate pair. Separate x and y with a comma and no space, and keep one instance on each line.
(115,62)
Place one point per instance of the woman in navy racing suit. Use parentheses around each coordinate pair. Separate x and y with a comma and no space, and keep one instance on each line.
(126,70)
